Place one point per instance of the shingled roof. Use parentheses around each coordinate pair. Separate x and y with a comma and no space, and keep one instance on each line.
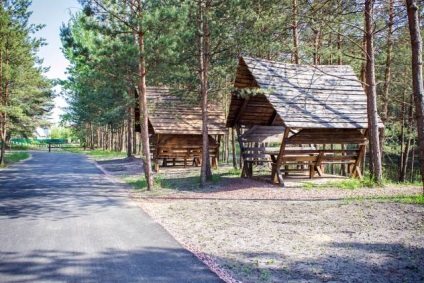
(298,96)
(170,114)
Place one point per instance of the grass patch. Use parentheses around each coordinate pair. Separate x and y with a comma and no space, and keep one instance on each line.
(352,184)
(178,180)
(21,147)
(98,154)
(348,184)
(161,182)
(13,157)
(407,199)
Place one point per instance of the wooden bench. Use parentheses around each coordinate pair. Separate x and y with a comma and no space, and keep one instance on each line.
(302,159)
(183,154)
(296,159)
(254,156)
(316,159)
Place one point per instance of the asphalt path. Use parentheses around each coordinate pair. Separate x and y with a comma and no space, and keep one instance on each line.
(62,220)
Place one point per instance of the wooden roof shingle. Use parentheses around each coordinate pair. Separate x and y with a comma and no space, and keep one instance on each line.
(170,114)
(303,96)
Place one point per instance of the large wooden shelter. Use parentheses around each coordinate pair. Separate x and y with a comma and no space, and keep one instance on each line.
(318,114)
(175,129)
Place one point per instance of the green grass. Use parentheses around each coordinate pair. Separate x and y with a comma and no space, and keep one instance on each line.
(349,184)
(98,154)
(407,199)
(352,184)
(21,147)
(13,157)
(140,184)
(188,180)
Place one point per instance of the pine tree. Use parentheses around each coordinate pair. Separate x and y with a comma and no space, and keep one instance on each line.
(24,94)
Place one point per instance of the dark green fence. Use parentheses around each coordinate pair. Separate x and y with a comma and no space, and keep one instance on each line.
(37,141)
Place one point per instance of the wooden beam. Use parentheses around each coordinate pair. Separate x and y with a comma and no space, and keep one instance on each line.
(156,155)
(276,172)
(318,165)
(356,169)
(241,111)
(273,118)
(244,169)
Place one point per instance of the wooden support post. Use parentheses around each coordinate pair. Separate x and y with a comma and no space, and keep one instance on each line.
(355,171)
(318,164)
(311,171)
(277,177)
(243,170)
(241,110)
(241,150)
(50,147)
(217,150)
(273,118)
(156,154)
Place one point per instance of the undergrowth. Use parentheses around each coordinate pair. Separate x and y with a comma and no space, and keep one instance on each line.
(187,180)
(13,157)
(407,199)
(352,184)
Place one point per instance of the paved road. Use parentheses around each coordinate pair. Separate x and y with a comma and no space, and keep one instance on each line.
(61,220)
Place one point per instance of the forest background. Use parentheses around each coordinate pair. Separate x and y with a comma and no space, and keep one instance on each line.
(117,48)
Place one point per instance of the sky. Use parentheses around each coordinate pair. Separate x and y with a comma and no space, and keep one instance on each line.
(53,13)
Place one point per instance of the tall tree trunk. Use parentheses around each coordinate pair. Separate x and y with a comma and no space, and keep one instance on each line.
(417,76)
(317,45)
(103,137)
(372,95)
(412,160)
(233,148)
(129,134)
(405,159)
(134,132)
(402,139)
(91,136)
(340,62)
(295,34)
(4,61)
(121,137)
(143,112)
(111,137)
(3,115)
(227,146)
(144,122)
(204,56)
(387,75)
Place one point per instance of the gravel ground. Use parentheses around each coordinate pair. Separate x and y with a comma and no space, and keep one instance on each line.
(248,231)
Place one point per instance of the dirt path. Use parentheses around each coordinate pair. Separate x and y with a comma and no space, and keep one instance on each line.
(304,241)
(249,231)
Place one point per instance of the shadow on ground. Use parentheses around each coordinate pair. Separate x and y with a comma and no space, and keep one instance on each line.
(146,265)
(359,263)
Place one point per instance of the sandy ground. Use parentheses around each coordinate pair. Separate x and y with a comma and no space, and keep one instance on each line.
(248,231)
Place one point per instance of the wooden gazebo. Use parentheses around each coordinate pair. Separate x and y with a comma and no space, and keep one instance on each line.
(308,108)
(175,129)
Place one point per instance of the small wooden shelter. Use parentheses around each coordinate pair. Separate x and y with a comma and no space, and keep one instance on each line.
(306,109)
(175,129)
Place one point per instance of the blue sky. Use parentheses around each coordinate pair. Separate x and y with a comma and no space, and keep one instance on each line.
(53,13)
